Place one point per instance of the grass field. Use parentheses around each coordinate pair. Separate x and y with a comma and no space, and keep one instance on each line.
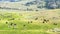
(26,22)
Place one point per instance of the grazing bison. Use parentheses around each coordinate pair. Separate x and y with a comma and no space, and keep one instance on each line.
(24,25)
(14,24)
(45,21)
(54,23)
(36,18)
(11,24)
(30,22)
(6,22)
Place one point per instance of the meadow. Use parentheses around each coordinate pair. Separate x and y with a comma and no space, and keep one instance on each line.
(30,22)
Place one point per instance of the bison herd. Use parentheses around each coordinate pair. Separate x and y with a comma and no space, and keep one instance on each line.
(14,25)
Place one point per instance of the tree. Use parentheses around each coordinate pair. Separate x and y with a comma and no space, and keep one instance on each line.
(51,4)
(41,3)
(58,3)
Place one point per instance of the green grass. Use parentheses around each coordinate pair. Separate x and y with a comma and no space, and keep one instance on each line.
(37,27)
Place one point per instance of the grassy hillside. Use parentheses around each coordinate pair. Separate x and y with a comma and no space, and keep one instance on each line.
(30,22)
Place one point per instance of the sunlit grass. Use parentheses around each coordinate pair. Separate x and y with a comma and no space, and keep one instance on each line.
(22,18)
